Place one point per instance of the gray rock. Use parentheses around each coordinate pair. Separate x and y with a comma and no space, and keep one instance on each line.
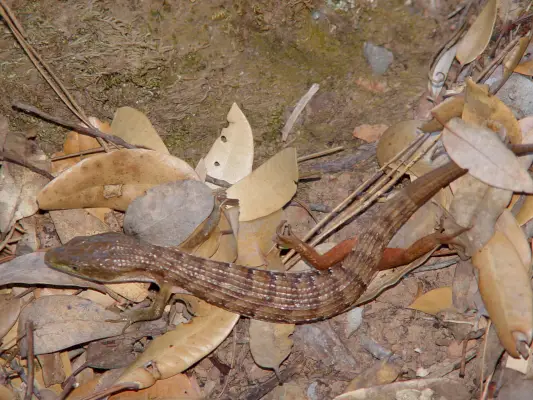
(378,57)
(517,93)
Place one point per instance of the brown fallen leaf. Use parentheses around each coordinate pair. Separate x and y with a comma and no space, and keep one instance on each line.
(381,373)
(369,133)
(135,128)
(478,35)
(443,112)
(372,85)
(508,225)
(177,350)
(481,108)
(480,151)
(268,188)
(112,180)
(504,284)
(434,301)
(76,222)
(232,155)
(511,60)
(9,312)
(270,344)
(6,393)
(178,387)
(525,68)
(52,367)
(64,321)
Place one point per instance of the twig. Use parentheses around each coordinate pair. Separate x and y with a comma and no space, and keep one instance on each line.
(298,110)
(8,237)
(78,154)
(22,375)
(497,60)
(11,159)
(319,154)
(364,186)
(89,131)
(218,182)
(30,359)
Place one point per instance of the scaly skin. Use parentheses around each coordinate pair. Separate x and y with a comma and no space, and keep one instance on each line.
(264,295)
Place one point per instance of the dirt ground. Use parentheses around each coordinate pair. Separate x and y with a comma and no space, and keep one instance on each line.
(184,63)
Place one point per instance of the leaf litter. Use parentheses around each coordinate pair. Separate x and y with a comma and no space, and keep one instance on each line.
(476,128)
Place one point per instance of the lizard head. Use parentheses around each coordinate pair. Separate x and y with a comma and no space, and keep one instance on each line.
(105,258)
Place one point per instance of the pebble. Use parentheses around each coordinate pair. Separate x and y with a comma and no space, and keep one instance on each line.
(378,57)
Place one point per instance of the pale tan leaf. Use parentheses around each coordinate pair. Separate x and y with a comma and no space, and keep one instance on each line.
(177,350)
(232,155)
(268,188)
(478,35)
(64,321)
(255,239)
(482,108)
(6,394)
(508,225)
(379,374)
(76,222)
(505,288)
(434,301)
(112,180)
(443,112)
(511,60)
(480,151)
(135,128)
(440,72)
(227,248)
(369,133)
(270,343)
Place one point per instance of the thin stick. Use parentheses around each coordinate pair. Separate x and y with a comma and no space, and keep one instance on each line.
(78,154)
(319,154)
(89,131)
(30,358)
(11,159)
(497,60)
(365,185)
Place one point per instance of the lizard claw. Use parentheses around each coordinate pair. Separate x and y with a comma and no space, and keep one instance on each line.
(284,236)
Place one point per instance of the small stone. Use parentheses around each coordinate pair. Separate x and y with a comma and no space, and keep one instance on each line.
(378,57)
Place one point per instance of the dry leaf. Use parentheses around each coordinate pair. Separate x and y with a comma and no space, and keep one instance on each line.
(64,321)
(525,68)
(397,138)
(133,126)
(178,387)
(440,72)
(177,350)
(480,151)
(270,343)
(9,312)
(30,269)
(369,133)
(268,188)
(434,301)
(232,155)
(6,393)
(227,248)
(512,59)
(508,225)
(18,185)
(443,112)
(482,108)
(254,240)
(77,222)
(504,284)
(167,214)
(112,180)
(380,373)
(478,35)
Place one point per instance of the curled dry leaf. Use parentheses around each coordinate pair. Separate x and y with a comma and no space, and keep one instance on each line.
(508,225)
(480,151)
(178,387)
(478,35)
(397,138)
(268,188)
(177,350)
(270,343)
(232,155)
(135,128)
(9,312)
(504,284)
(443,112)
(112,180)
(434,301)
(167,214)
(64,321)
(440,72)
(512,59)
(525,68)
(227,248)
(482,108)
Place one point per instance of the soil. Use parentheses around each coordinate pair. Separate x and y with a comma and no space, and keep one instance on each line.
(184,63)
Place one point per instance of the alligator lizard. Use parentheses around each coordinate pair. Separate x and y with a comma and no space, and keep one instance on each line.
(255,293)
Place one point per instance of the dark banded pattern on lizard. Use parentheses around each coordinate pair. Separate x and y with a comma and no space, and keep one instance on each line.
(255,293)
